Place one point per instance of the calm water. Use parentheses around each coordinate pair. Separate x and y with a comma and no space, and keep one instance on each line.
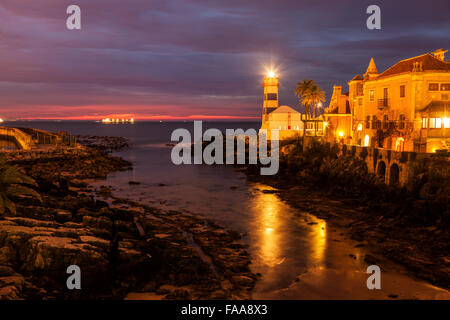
(298,257)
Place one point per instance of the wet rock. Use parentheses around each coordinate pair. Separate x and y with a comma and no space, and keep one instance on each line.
(63,216)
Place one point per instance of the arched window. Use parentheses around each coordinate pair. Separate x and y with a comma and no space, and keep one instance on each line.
(366,141)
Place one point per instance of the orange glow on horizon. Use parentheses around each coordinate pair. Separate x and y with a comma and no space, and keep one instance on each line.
(143,117)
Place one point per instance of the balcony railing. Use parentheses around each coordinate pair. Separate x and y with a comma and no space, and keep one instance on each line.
(383,103)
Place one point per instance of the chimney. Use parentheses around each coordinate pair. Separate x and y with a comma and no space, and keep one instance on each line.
(440,54)
(337,91)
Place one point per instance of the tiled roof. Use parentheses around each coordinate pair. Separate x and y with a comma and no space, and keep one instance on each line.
(357,77)
(429,63)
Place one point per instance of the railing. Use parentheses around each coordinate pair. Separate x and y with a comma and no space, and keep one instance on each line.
(24,140)
(383,103)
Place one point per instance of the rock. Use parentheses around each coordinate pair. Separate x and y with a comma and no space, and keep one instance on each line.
(101,223)
(218,295)
(243,281)
(133,183)
(11,287)
(6,271)
(63,216)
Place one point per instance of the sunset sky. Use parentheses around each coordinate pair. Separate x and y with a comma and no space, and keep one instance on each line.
(195,59)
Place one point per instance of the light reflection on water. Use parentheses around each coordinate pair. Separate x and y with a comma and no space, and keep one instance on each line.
(282,244)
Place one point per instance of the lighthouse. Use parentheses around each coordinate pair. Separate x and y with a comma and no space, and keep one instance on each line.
(284,119)
(270,85)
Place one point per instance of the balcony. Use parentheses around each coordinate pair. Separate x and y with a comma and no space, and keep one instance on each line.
(383,103)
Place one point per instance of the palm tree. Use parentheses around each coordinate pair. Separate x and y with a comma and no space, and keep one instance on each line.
(316,96)
(302,91)
(13,183)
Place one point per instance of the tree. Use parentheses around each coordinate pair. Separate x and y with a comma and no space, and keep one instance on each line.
(14,183)
(316,96)
(310,95)
(302,92)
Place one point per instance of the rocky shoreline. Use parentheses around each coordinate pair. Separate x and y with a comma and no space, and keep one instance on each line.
(120,246)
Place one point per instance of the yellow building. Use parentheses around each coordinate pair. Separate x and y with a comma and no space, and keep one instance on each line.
(405,108)
(284,119)
(338,117)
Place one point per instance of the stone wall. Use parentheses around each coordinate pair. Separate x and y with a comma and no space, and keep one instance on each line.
(394,166)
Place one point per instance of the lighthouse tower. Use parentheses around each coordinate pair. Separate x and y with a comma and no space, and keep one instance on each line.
(270,85)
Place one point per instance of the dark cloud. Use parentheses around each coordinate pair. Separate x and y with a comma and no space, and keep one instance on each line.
(181,58)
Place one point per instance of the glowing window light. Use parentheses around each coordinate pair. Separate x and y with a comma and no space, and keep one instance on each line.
(366,140)
(446,123)
(360,127)
(341,133)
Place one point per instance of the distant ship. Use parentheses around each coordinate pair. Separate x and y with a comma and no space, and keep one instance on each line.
(118,120)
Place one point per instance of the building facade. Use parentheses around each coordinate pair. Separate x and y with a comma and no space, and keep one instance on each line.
(405,108)
(338,117)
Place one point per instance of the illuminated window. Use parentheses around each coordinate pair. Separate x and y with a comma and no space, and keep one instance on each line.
(402,91)
(433,86)
(366,140)
(438,123)
(432,123)
(424,122)
(445,86)
(446,123)
(371,95)
(359,89)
